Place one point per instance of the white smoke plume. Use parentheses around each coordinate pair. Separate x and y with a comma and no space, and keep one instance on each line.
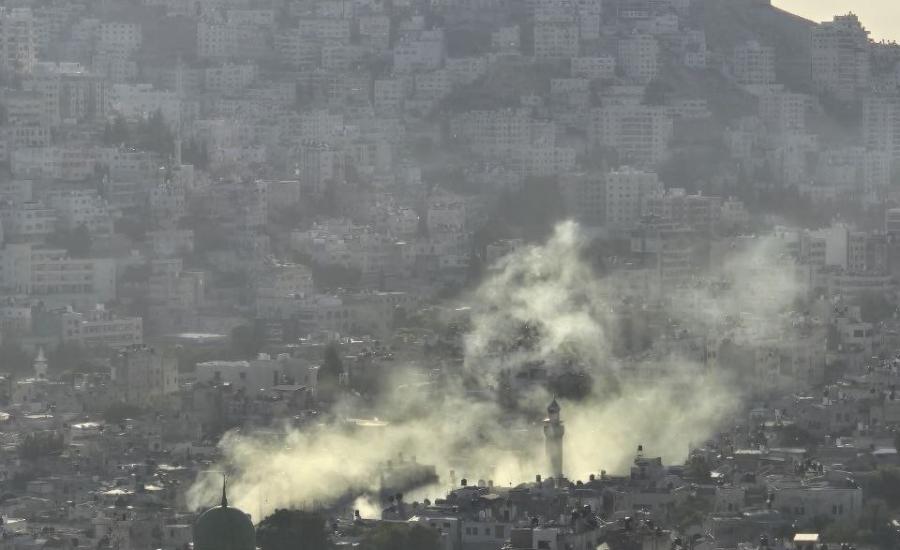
(541,305)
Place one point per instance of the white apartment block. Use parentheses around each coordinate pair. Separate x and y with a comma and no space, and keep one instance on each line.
(140,101)
(81,207)
(388,95)
(167,243)
(556,39)
(17,40)
(375,31)
(143,375)
(784,111)
(640,133)
(99,327)
(51,276)
(594,68)
(293,48)
(506,39)
(325,29)
(59,163)
(841,62)
(120,36)
(627,194)
(218,41)
(753,63)
(229,78)
(881,124)
(27,221)
(256,17)
(501,133)
(465,70)
(639,57)
(420,51)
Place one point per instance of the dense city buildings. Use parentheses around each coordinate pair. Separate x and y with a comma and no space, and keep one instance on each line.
(588,275)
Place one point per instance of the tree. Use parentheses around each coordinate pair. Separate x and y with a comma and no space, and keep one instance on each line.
(874,308)
(66,356)
(77,242)
(40,444)
(13,358)
(119,133)
(396,536)
(292,530)
(119,412)
(247,340)
(331,370)
(698,469)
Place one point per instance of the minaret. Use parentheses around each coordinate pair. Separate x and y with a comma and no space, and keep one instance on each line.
(40,365)
(553,436)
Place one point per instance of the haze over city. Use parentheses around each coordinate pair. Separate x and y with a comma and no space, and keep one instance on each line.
(449,275)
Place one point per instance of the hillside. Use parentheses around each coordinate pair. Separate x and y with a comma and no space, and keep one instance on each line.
(728,23)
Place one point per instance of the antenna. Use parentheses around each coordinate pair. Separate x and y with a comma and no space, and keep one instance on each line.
(224,495)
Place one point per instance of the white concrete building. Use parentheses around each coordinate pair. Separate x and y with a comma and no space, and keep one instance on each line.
(143,375)
(640,133)
(18,49)
(639,57)
(841,62)
(627,194)
(753,63)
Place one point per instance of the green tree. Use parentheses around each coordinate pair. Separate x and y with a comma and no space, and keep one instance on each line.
(77,242)
(40,444)
(119,412)
(331,370)
(247,340)
(67,356)
(292,530)
(398,536)
(119,133)
(13,358)
(698,468)
(874,308)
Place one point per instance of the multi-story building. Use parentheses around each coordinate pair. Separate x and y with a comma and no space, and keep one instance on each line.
(784,111)
(639,133)
(556,38)
(99,327)
(82,207)
(639,57)
(231,41)
(27,221)
(699,212)
(143,375)
(881,123)
(18,49)
(139,101)
(120,36)
(594,68)
(841,63)
(753,63)
(418,51)
(229,78)
(628,192)
(50,275)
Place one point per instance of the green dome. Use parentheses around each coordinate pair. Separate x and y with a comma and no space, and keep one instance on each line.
(224,528)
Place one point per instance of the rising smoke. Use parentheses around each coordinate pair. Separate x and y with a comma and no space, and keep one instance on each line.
(540,307)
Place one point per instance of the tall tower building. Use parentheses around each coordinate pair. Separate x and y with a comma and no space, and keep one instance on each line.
(553,436)
(40,365)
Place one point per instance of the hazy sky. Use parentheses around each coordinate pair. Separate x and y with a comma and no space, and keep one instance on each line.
(882,17)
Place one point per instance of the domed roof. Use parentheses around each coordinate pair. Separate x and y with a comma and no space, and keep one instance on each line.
(224,528)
